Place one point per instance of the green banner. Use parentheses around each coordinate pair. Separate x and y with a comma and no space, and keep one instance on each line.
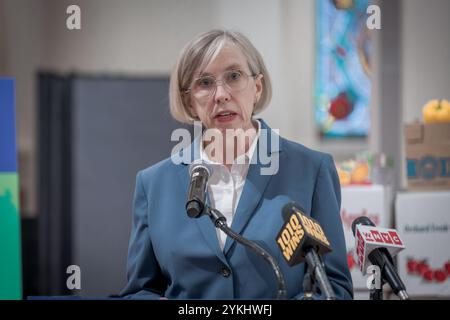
(10,262)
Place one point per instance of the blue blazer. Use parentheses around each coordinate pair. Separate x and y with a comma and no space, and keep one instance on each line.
(178,257)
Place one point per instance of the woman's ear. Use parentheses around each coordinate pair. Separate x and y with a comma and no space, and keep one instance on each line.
(259,87)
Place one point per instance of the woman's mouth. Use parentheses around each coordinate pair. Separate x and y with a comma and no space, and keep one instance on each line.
(225,116)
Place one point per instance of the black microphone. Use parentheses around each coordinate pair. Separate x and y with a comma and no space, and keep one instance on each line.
(302,239)
(383,259)
(195,204)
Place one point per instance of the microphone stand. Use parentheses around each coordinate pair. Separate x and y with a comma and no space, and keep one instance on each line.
(376,294)
(308,285)
(220,222)
(317,273)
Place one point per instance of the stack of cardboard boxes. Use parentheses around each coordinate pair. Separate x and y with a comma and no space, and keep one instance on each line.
(427,156)
(422,213)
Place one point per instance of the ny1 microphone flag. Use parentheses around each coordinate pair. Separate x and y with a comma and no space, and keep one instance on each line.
(369,238)
(10,252)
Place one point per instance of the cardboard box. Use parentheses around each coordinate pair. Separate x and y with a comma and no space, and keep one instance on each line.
(374,202)
(427,156)
(423,223)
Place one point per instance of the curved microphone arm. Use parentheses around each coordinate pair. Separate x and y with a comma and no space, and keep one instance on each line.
(221,222)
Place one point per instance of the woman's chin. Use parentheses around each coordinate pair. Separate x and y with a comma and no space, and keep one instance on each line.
(229,124)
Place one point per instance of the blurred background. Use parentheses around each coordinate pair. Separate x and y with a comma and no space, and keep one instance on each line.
(91,110)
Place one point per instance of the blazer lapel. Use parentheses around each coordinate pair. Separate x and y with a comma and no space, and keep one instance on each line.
(209,233)
(255,184)
(254,187)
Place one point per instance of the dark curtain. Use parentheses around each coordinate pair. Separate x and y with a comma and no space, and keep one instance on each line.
(54,200)
(95,133)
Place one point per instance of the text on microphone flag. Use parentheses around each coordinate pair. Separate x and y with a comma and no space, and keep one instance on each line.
(299,233)
(360,249)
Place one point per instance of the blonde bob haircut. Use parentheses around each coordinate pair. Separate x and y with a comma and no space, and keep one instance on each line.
(194,58)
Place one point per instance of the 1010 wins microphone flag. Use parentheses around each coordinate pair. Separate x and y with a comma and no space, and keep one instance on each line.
(299,233)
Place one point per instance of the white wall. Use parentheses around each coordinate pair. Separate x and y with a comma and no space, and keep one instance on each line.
(425,68)
(2,40)
(20,51)
(143,37)
(426,54)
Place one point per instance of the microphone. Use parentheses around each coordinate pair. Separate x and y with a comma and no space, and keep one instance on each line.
(378,245)
(195,204)
(302,239)
(299,235)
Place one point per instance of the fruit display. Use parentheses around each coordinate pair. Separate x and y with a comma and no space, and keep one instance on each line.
(436,111)
(355,172)
(365,169)
(421,268)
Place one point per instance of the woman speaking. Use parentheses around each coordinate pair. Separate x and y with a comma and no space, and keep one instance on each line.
(220,81)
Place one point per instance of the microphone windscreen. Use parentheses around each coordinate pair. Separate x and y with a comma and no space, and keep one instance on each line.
(289,207)
(365,221)
(196,165)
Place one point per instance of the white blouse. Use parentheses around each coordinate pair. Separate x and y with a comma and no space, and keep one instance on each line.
(225,186)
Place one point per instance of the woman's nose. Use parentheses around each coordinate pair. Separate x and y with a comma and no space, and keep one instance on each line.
(221,95)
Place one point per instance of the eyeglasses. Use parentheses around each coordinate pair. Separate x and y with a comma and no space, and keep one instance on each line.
(204,88)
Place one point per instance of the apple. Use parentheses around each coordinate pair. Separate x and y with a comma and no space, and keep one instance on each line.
(411,266)
(428,275)
(422,267)
(447,267)
(440,275)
